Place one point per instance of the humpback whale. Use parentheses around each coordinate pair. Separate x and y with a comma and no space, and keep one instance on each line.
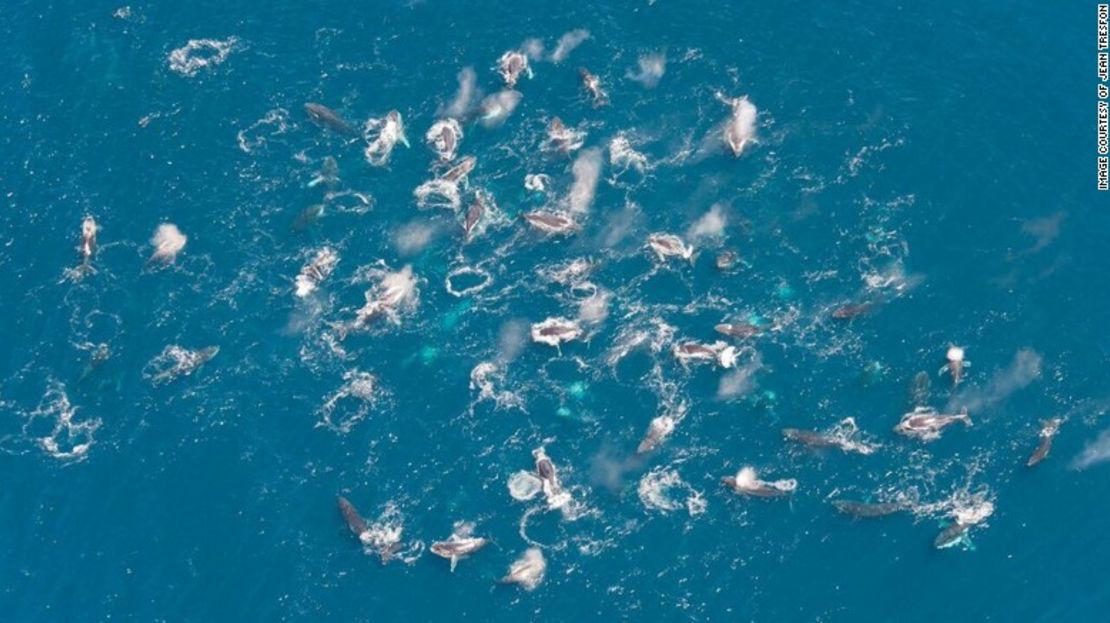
(669,245)
(919,389)
(511,66)
(868,510)
(443,137)
(740,127)
(842,436)
(951,535)
(459,545)
(660,428)
(561,138)
(926,424)
(390,293)
(385,542)
(722,353)
(726,260)
(175,361)
(460,171)
(350,515)
(550,222)
(737,329)
(329,119)
(956,364)
(852,310)
(88,239)
(390,131)
(316,271)
(97,357)
(1048,430)
(308,216)
(746,482)
(328,175)
(554,331)
(473,216)
(592,84)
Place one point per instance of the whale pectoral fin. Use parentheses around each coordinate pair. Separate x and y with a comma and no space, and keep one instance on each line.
(454,562)
(389,553)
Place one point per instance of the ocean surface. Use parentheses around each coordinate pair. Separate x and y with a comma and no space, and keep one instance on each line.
(933,162)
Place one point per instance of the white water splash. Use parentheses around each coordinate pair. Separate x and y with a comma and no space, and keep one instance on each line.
(359,388)
(167,241)
(66,439)
(200,53)
(623,156)
(662,489)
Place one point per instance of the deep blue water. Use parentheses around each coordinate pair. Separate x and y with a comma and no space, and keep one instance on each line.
(937,159)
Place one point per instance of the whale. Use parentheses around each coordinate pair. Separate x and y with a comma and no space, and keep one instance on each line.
(868,510)
(562,139)
(458,546)
(746,482)
(350,514)
(88,239)
(316,271)
(545,469)
(811,438)
(956,364)
(390,131)
(919,389)
(669,245)
(719,352)
(329,119)
(459,172)
(556,330)
(726,260)
(96,359)
(371,537)
(308,216)
(1048,431)
(511,66)
(443,137)
(846,312)
(737,329)
(473,216)
(328,175)
(951,535)
(660,428)
(926,424)
(739,130)
(550,222)
(592,84)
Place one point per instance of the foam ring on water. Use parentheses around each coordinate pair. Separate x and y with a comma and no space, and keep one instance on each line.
(464,271)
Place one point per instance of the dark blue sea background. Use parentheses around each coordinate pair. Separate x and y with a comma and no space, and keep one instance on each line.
(936,160)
